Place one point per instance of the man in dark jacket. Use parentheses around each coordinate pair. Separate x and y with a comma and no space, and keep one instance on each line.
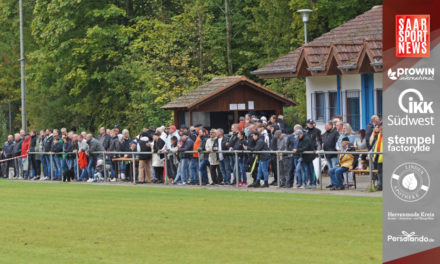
(263,160)
(204,163)
(331,137)
(187,145)
(104,138)
(314,134)
(144,145)
(45,158)
(231,143)
(221,144)
(8,149)
(306,163)
(18,165)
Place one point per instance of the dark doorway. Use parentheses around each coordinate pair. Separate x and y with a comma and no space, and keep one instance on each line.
(222,120)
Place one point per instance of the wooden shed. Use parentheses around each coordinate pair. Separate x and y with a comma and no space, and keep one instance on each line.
(219,102)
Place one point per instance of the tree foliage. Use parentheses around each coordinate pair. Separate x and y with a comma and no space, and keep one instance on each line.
(106,62)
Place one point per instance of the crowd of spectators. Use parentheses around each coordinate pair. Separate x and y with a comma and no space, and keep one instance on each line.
(181,156)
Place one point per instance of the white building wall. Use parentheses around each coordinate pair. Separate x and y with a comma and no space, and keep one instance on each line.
(319,84)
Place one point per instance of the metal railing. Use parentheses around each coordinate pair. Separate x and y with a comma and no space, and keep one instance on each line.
(236,153)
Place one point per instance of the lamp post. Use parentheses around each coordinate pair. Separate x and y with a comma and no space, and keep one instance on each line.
(22,65)
(305,18)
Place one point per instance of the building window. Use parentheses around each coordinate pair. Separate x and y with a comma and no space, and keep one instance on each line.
(353,109)
(332,107)
(379,102)
(318,106)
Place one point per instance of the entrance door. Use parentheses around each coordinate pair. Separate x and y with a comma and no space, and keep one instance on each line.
(353,110)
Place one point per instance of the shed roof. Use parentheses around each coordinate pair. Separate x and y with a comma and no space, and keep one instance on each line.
(215,87)
(348,40)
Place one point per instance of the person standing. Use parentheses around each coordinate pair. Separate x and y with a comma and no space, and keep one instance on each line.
(224,163)
(283,159)
(214,169)
(263,160)
(370,127)
(331,137)
(104,139)
(144,145)
(204,163)
(25,148)
(378,158)
(18,165)
(242,158)
(94,146)
(158,159)
(306,163)
(187,145)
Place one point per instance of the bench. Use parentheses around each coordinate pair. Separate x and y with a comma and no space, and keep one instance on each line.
(360,171)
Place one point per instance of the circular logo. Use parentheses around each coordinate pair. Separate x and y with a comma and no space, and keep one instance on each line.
(410,182)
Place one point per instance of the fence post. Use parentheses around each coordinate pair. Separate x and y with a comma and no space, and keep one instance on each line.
(77,166)
(134,169)
(51,167)
(237,168)
(370,168)
(198,170)
(319,170)
(278,169)
(105,167)
(165,168)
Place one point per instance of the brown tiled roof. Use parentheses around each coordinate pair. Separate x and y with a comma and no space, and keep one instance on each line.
(347,39)
(215,86)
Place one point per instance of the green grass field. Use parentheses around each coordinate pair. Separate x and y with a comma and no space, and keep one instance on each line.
(79,223)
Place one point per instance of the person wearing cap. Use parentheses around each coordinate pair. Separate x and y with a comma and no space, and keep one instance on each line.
(263,160)
(378,158)
(116,128)
(187,145)
(314,133)
(305,169)
(214,169)
(172,132)
(346,162)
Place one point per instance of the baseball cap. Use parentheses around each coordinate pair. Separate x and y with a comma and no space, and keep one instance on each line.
(310,121)
(173,127)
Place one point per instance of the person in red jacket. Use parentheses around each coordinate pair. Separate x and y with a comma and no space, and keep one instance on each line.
(25,147)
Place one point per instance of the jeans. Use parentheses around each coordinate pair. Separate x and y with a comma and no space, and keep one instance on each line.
(45,160)
(332,162)
(184,169)
(56,167)
(91,166)
(263,170)
(225,169)
(242,163)
(309,172)
(379,167)
(336,175)
(194,172)
(204,171)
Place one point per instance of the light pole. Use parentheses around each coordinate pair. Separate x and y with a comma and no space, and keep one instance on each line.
(305,18)
(22,65)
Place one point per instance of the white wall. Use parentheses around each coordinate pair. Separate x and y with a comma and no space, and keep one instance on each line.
(319,84)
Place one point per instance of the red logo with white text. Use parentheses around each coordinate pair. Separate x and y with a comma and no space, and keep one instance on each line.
(412,35)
